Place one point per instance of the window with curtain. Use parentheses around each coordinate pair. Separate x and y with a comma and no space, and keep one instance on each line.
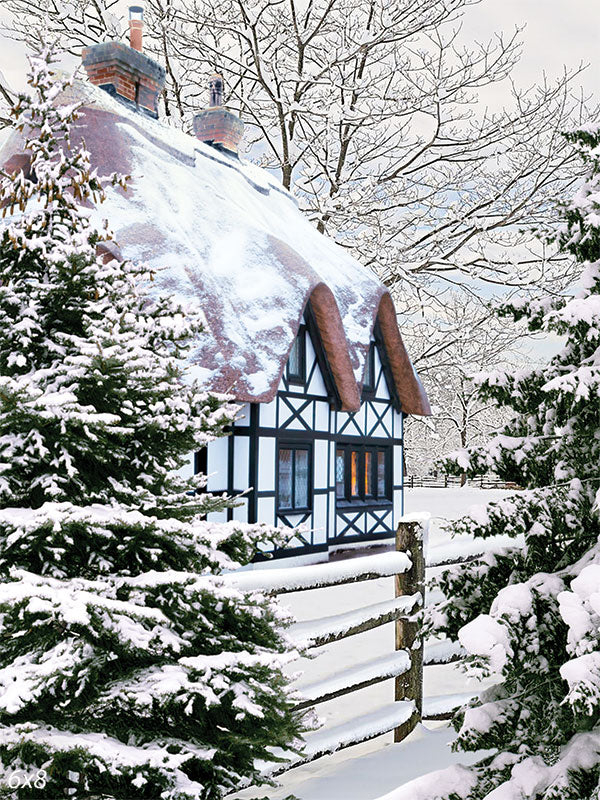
(363,474)
(294,479)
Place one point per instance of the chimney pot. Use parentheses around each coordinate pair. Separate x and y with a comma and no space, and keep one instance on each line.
(217,126)
(136,27)
(215,90)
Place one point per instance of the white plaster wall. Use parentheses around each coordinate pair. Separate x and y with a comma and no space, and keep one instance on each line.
(320,518)
(217,516)
(321,416)
(266,510)
(240,513)
(341,419)
(241,450)
(388,418)
(371,420)
(331,514)
(320,463)
(332,464)
(317,384)
(397,504)
(398,431)
(217,464)
(187,471)
(266,465)
(397,464)
(267,414)
(243,417)
(382,392)
(294,425)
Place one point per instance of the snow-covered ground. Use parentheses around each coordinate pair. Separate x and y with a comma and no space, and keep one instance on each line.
(377,768)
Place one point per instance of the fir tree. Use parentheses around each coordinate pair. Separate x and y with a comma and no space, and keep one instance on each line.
(531,613)
(128,669)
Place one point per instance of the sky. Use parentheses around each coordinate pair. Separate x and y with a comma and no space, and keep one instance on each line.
(557,32)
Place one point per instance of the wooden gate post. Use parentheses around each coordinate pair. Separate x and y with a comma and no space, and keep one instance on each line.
(409,686)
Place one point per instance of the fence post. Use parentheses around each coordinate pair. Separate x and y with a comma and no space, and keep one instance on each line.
(409,686)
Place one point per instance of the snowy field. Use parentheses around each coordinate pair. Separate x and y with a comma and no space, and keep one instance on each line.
(378,768)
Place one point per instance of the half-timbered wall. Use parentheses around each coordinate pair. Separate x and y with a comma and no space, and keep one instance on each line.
(273,445)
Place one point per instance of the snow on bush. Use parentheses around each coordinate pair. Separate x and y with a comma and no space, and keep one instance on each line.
(531,615)
(128,666)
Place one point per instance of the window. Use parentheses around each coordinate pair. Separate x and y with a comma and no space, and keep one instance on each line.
(369,382)
(363,474)
(340,473)
(368,486)
(354,469)
(294,477)
(296,365)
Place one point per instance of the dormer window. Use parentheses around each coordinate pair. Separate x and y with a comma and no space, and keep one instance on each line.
(369,382)
(296,365)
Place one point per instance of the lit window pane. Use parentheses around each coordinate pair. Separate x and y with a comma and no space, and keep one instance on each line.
(354,474)
(340,469)
(368,473)
(285,478)
(381,474)
(301,481)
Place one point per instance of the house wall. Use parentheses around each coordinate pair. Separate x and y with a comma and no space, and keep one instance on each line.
(305,414)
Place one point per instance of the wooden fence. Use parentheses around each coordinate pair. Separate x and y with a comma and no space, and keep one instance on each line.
(405,664)
(445,481)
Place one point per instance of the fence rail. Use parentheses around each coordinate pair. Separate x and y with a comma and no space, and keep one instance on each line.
(446,651)
(446,481)
(404,664)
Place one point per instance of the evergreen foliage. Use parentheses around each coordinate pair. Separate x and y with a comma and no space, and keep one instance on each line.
(531,613)
(128,668)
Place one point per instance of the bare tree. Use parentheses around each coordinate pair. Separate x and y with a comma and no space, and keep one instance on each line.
(74,24)
(7,98)
(373,114)
(467,343)
(369,112)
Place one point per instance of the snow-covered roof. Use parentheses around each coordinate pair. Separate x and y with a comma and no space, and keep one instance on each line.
(224,233)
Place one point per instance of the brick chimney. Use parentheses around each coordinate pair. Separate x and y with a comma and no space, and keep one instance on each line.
(125,72)
(136,28)
(217,126)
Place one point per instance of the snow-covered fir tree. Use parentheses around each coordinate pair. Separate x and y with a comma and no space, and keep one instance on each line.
(128,668)
(530,614)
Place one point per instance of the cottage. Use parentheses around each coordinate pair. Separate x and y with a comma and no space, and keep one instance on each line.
(297,331)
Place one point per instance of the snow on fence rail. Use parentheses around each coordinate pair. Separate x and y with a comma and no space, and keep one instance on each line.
(405,664)
(297,579)
(446,651)
(328,741)
(459,551)
(318,632)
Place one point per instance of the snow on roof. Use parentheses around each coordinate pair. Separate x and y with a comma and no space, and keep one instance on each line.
(225,234)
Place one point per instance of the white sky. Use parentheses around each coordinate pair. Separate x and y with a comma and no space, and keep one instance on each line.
(558,32)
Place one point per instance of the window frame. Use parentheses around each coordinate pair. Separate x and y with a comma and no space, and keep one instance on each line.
(298,379)
(363,499)
(369,387)
(293,446)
